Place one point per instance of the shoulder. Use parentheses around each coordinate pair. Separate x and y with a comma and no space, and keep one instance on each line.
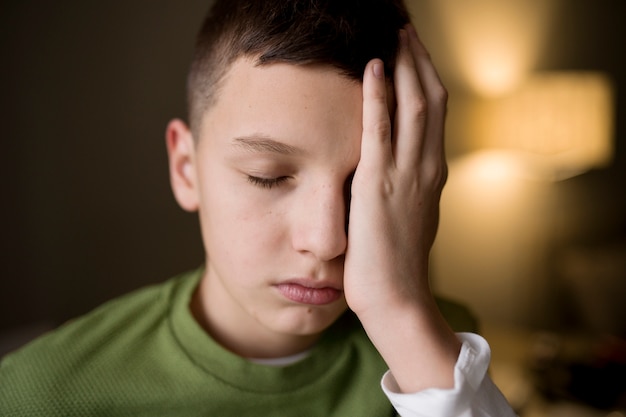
(85,351)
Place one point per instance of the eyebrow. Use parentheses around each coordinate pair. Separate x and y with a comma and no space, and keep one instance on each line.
(264,143)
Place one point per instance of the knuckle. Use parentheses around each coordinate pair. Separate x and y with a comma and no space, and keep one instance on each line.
(419,107)
(440,94)
(376,93)
(380,128)
(443,175)
(379,95)
(437,175)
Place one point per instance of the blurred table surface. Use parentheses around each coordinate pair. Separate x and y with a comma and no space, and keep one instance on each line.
(515,354)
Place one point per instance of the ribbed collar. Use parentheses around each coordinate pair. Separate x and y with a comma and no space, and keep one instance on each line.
(330,352)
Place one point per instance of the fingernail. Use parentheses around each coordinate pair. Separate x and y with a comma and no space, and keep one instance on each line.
(379,71)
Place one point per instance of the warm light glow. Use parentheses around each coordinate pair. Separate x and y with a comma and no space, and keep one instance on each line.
(488,176)
(495,68)
(561,122)
(493,167)
(487,244)
(495,42)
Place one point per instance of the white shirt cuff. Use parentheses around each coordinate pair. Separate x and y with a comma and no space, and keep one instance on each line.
(474,394)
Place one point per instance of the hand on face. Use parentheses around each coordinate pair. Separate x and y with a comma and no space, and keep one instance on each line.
(397,185)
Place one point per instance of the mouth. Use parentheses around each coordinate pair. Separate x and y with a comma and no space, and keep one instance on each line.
(309,292)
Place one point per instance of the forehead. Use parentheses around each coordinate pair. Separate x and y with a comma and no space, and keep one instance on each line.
(290,102)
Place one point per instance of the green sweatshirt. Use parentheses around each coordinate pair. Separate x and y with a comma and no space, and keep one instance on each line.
(144,355)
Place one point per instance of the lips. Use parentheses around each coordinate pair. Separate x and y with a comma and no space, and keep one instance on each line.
(309,292)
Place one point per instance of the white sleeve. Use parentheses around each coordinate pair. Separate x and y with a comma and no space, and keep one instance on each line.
(473,395)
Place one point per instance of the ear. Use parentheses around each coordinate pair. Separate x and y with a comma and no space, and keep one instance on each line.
(181,154)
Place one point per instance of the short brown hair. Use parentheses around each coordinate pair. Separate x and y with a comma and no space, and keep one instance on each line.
(345,34)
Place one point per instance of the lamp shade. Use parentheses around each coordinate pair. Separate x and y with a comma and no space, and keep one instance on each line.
(562,122)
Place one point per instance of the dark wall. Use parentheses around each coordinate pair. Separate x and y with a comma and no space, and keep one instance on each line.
(87,89)
(589,211)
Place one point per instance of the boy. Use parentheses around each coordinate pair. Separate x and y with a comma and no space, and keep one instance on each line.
(314,156)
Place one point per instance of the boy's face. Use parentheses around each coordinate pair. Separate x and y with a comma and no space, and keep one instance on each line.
(269,175)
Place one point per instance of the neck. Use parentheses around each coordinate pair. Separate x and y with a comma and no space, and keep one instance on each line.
(248,341)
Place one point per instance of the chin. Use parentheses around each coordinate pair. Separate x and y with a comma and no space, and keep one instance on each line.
(308,320)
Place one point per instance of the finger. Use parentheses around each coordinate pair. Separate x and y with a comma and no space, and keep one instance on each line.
(376,140)
(436,97)
(411,111)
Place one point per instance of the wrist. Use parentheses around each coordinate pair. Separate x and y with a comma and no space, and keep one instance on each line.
(417,344)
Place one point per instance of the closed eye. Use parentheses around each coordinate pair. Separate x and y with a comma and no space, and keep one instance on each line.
(267,183)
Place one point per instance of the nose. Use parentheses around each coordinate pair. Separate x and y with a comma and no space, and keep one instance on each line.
(319,226)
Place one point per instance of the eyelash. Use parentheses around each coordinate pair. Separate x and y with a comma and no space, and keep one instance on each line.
(267,183)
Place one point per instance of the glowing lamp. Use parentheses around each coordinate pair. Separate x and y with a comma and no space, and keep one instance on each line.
(561,123)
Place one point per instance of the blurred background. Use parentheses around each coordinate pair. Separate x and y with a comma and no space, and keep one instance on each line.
(533,227)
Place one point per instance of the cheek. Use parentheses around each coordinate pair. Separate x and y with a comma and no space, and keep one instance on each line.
(242,226)
(245,227)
